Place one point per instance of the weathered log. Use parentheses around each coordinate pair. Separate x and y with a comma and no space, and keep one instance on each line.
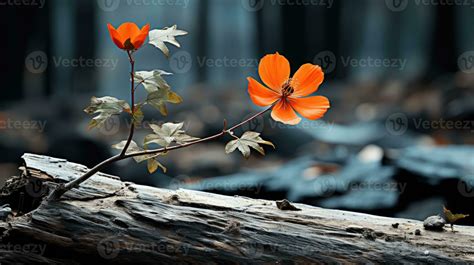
(111,221)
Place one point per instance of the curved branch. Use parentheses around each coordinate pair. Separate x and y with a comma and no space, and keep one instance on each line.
(215,136)
(61,189)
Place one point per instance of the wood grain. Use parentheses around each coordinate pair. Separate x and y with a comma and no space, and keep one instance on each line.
(111,221)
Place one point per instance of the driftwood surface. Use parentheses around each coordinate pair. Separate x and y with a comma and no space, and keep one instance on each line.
(111,221)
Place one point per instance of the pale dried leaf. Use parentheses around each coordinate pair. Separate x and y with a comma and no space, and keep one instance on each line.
(158,37)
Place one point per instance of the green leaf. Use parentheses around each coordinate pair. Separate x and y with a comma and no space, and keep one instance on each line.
(159,91)
(248,140)
(158,37)
(152,80)
(159,98)
(105,107)
(168,133)
(452,218)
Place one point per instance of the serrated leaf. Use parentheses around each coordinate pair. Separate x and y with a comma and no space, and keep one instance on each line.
(234,144)
(158,37)
(452,218)
(152,80)
(248,140)
(133,148)
(152,163)
(159,98)
(168,133)
(105,107)
(159,92)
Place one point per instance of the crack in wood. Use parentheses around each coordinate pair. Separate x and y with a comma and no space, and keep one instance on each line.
(111,221)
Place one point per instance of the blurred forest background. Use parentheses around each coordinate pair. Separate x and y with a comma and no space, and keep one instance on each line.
(400,76)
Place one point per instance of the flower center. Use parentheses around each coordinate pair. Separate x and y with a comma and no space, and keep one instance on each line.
(128,44)
(287,89)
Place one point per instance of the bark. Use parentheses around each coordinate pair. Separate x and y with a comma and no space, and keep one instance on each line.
(111,221)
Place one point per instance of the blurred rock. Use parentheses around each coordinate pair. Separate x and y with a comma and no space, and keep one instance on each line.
(435,164)
(357,185)
(434,223)
(358,134)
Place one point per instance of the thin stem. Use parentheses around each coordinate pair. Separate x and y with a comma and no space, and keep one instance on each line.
(63,188)
(132,92)
(212,137)
(59,191)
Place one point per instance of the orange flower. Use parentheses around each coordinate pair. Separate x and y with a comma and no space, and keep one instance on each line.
(288,94)
(128,36)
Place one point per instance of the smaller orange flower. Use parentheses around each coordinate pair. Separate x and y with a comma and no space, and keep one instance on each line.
(128,36)
(288,94)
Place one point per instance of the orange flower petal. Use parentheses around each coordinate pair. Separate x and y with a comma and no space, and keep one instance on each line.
(139,39)
(128,30)
(260,95)
(115,36)
(274,70)
(312,107)
(283,112)
(307,80)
